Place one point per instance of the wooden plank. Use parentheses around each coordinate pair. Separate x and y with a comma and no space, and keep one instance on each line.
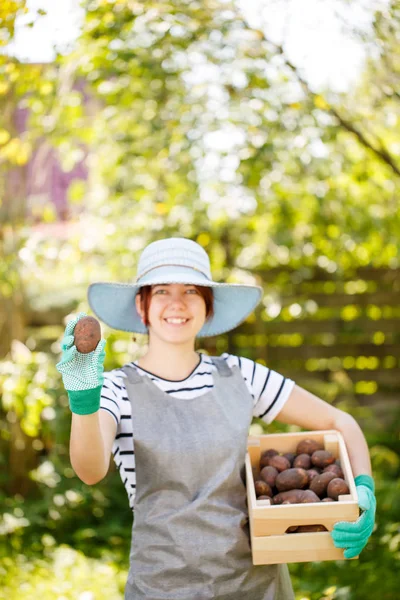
(307,351)
(312,326)
(389,377)
(293,548)
(388,298)
(386,401)
(315,274)
(253,448)
(347,471)
(331,443)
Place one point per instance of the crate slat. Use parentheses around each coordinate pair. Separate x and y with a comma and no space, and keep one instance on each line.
(295,547)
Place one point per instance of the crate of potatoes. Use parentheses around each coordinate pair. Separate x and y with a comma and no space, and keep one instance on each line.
(298,486)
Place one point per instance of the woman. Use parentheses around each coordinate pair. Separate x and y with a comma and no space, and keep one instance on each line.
(177,423)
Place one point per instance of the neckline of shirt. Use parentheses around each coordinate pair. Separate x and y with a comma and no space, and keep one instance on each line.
(171,380)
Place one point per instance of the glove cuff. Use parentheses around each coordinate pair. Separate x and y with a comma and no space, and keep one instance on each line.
(365,480)
(85,402)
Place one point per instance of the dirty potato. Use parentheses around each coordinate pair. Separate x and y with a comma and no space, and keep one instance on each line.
(291,479)
(308,446)
(337,487)
(87,334)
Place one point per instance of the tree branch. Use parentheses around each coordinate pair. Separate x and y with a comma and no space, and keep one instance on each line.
(378,149)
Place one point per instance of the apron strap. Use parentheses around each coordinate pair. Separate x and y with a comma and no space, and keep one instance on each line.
(222,366)
(132,375)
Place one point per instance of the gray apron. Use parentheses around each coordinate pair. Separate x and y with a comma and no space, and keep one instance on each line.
(190,537)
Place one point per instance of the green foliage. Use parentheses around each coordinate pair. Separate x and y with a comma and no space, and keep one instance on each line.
(60,572)
(26,383)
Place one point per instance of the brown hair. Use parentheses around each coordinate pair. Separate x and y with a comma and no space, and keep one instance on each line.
(205,292)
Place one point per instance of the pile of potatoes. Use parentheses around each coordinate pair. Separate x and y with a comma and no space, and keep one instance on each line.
(312,474)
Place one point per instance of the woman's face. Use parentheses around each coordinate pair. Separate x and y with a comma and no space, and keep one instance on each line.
(177,312)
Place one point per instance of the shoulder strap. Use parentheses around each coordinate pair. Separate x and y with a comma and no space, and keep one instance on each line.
(222,366)
(132,375)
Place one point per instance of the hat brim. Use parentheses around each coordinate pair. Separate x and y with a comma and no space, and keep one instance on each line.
(114,304)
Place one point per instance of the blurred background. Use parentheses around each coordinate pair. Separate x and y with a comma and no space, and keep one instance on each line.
(267,131)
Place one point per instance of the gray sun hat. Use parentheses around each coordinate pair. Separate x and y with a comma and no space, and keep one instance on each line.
(173,260)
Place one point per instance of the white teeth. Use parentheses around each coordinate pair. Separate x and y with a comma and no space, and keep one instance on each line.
(176,321)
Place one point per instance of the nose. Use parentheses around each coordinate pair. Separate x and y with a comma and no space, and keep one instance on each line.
(177,299)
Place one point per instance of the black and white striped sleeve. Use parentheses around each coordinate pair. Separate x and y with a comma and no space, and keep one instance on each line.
(269,389)
(109,400)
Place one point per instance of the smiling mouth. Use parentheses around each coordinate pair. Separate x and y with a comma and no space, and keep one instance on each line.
(176,321)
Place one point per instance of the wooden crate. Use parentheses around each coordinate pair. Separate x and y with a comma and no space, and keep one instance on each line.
(268,523)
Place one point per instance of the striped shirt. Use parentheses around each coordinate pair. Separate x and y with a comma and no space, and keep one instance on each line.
(269,391)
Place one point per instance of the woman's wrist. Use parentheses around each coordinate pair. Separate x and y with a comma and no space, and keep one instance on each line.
(366,480)
(85,402)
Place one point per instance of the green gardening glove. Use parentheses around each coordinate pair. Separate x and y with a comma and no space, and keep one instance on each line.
(82,373)
(354,536)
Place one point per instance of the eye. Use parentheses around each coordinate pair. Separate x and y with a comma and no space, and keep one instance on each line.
(160,291)
(192,291)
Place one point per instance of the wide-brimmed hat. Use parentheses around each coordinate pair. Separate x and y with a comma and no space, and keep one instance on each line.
(173,260)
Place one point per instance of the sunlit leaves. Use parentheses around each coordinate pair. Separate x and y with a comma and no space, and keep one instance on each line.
(9,9)
(24,381)
(63,571)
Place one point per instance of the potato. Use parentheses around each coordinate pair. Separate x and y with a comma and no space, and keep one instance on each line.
(319,483)
(291,479)
(266,455)
(337,487)
(290,456)
(309,496)
(322,458)
(279,462)
(327,499)
(262,488)
(334,468)
(268,474)
(270,452)
(311,473)
(308,446)
(310,528)
(295,497)
(87,334)
(302,461)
